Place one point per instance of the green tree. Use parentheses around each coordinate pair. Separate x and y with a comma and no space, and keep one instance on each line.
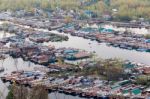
(21,92)
(10,94)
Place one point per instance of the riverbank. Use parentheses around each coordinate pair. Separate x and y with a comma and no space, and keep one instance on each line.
(122,39)
(31,44)
(88,86)
(101,49)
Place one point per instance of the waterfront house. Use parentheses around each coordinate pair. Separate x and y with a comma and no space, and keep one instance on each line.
(146,70)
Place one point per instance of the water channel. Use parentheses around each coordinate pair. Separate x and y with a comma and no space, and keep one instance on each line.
(101,49)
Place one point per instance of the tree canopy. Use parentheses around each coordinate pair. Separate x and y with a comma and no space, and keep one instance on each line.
(126,9)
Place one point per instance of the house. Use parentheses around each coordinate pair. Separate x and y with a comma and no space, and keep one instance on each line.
(107,16)
(90,14)
(146,70)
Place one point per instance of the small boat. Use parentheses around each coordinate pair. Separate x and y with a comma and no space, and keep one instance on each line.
(2,57)
(129,48)
(141,49)
(2,69)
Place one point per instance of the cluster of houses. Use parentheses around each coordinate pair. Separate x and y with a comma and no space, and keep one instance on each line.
(27,43)
(125,40)
(45,54)
(114,38)
(85,86)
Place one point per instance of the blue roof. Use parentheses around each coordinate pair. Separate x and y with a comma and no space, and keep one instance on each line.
(90,2)
(88,30)
(88,12)
(136,91)
(129,65)
(70,51)
(147,41)
(106,30)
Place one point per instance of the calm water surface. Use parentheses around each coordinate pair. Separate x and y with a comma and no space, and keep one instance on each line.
(101,49)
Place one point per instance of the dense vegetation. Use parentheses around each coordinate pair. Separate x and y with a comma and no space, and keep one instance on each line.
(143,80)
(110,69)
(126,9)
(30,4)
(132,8)
(21,92)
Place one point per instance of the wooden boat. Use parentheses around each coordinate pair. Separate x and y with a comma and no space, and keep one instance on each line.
(2,69)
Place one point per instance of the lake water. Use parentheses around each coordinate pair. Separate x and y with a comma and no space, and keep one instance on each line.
(56,95)
(101,49)
(10,65)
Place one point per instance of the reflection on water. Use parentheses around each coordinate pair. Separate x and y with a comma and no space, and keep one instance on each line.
(10,65)
(102,50)
(56,95)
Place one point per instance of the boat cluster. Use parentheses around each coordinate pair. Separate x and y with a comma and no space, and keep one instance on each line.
(27,43)
(32,34)
(125,40)
(45,55)
(81,86)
